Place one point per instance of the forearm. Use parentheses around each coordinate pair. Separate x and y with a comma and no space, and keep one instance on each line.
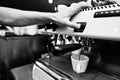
(15,17)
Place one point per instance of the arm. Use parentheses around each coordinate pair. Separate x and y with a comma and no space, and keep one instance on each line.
(15,17)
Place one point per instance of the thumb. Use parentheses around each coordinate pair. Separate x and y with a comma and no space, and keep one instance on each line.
(73,25)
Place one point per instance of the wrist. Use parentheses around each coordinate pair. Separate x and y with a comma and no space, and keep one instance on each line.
(53,17)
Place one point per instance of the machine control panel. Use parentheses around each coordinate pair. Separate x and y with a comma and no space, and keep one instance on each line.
(107,13)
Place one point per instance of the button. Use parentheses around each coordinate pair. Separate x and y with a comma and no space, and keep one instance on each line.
(109,13)
(82,27)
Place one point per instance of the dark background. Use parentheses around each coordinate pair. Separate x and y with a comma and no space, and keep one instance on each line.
(35,5)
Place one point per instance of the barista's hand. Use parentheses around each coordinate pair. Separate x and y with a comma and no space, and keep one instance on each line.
(63,17)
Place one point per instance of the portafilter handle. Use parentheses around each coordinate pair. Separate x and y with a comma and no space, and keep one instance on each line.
(58,50)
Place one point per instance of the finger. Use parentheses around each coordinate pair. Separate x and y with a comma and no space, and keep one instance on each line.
(77,6)
(73,4)
(110,2)
(89,2)
(61,7)
(94,3)
(84,4)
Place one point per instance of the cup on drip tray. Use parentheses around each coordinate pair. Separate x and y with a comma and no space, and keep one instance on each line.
(79,63)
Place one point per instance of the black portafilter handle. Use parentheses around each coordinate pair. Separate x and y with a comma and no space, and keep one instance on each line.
(59,50)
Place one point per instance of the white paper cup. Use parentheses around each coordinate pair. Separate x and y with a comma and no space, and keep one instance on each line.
(22,31)
(31,30)
(17,30)
(79,66)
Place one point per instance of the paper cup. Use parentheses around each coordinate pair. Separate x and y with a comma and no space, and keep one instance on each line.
(31,30)
(17,30)
(79,66)
(21,31)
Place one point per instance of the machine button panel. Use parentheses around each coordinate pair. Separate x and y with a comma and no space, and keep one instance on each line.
(108,13)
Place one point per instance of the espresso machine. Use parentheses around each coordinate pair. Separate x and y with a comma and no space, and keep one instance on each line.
(100,40)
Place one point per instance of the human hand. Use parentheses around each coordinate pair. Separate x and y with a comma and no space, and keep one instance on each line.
(62,18)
